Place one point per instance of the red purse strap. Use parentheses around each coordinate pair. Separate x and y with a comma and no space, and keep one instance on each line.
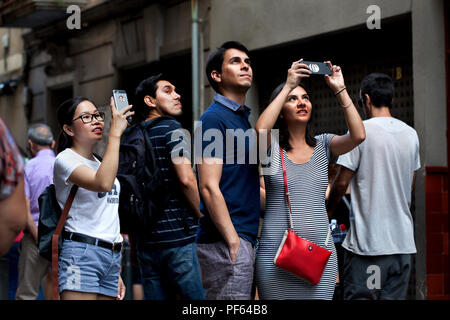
(55,238)
(286,192)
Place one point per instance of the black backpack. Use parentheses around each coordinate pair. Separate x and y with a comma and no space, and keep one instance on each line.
(143,192)
(50,213)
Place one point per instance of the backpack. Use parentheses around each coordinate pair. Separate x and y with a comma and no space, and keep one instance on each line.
(143,192)
(49,216)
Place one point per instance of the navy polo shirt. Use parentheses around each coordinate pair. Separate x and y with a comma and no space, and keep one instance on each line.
(239,182)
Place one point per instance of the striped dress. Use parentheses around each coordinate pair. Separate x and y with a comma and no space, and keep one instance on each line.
(307,186)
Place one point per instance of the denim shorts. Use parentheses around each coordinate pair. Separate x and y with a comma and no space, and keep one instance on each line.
(88,268)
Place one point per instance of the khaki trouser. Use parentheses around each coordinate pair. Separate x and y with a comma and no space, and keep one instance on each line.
(223,279)
(32,269)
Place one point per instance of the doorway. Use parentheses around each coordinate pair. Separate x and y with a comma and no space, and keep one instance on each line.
(176,69)
(55,98)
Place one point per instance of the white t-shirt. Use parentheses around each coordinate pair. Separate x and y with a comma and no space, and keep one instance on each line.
(383,165)
(92,213)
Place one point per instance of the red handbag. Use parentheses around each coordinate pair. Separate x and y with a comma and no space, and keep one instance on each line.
(297,255)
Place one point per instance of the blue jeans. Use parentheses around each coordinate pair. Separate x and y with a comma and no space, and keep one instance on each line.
(168,272)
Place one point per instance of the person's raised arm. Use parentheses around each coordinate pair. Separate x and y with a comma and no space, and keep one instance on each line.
(209,174)
(268,118)
(102,180)
(343,144)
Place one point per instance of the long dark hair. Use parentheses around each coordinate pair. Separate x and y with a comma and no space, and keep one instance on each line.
(65,114)
(280,124)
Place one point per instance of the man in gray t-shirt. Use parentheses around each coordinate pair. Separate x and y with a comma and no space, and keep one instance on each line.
(381,172)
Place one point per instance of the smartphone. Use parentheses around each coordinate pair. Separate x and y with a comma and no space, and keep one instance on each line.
(318,67)
(121,101)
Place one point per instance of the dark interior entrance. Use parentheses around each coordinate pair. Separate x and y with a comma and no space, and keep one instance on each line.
(56,97)
(176,69)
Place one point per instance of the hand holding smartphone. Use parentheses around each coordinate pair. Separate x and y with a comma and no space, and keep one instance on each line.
(318,67)
(121,101)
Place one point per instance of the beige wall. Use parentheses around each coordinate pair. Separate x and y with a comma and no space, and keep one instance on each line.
(93,75)
(15,42)
(430,110)
(266,22)
(429,80)
(92,3)
(11,107)
(13,113)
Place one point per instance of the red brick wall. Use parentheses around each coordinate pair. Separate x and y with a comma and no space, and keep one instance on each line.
(437,225)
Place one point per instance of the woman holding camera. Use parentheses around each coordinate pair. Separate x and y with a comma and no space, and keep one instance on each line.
(306,159)
(90,259)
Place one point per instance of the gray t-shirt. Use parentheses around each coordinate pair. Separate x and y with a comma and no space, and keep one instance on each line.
(383,165)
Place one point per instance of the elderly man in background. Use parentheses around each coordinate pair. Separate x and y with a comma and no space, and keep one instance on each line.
(38,175)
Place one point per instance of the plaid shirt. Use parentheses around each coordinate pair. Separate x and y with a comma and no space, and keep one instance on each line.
(11,162)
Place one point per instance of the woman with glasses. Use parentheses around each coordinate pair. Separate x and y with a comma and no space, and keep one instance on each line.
(90,258)
(306,158)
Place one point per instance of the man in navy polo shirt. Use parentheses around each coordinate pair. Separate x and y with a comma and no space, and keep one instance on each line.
(228,179)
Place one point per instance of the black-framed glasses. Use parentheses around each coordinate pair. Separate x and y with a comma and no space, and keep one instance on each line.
(88,117)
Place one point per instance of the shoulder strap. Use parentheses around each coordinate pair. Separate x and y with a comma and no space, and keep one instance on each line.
(149,152)
(149,146)
(145,125)
(286,192)
(55,239)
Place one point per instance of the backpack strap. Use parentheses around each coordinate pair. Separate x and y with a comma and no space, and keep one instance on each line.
(145,125)
(55,238)
(148,146)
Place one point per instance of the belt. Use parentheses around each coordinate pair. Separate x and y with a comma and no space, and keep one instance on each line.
(116,247)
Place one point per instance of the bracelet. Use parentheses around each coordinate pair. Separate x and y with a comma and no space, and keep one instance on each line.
(340,91)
